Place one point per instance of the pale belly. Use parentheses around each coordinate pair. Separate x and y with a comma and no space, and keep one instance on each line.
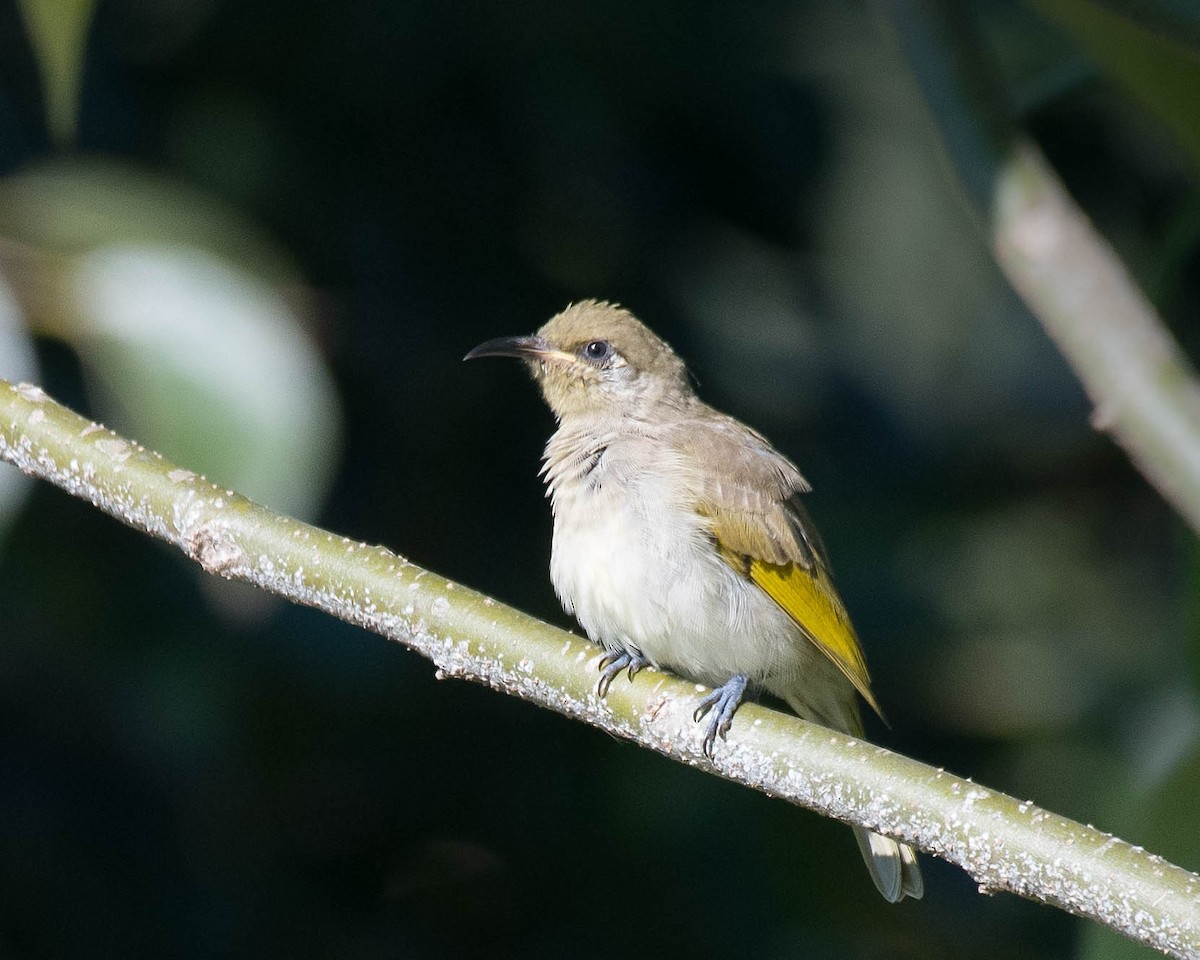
(638,571)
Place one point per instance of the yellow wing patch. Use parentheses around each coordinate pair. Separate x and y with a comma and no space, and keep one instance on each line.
(808,597)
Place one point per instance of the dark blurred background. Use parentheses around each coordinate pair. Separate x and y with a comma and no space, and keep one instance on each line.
(270,238)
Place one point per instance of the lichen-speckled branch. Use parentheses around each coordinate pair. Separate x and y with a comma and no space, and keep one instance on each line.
(1003,843)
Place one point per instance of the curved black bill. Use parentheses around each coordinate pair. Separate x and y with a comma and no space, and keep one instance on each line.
(509,347)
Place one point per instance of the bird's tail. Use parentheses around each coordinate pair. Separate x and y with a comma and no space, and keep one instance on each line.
(893,865)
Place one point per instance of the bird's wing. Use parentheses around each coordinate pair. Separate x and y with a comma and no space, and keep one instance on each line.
(762,530)
(809,598)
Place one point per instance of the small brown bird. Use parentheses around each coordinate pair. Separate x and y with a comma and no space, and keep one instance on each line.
(680,540)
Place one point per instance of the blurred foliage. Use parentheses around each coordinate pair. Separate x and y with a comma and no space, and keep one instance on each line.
(1162,73)
(186,321)
(58,33)
(279,229)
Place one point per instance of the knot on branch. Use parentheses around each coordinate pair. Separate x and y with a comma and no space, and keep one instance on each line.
(214,549)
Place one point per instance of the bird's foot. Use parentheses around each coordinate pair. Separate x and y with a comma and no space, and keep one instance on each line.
(722,703)
(613,662)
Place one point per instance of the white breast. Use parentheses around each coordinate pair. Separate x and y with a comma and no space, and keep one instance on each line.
(632,559)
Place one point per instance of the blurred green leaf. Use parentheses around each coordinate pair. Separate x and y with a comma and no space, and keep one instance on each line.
(74,205)
(58,32)
(207,361)
(186,320)
(1155,68)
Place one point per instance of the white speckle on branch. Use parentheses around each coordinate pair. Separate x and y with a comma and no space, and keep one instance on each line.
(115,448)
(31,392)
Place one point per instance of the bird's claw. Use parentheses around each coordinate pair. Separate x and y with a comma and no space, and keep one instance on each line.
(722,703)
(613,662)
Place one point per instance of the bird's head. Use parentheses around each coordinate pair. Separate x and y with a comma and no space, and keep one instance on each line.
(595,358)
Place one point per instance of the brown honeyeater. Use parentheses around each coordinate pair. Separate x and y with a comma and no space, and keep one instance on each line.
(680,540)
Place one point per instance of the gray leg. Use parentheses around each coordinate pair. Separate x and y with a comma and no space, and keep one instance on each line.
(613,662)
(725,700)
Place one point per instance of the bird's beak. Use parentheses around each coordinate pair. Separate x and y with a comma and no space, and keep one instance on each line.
(526,348)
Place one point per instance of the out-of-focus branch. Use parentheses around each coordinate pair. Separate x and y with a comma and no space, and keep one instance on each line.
(1003,843)
(1145,391)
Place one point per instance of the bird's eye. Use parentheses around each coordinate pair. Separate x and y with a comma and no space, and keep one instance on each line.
(597,350)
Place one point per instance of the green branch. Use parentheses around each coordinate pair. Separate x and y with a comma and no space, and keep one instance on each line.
(1005,844)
